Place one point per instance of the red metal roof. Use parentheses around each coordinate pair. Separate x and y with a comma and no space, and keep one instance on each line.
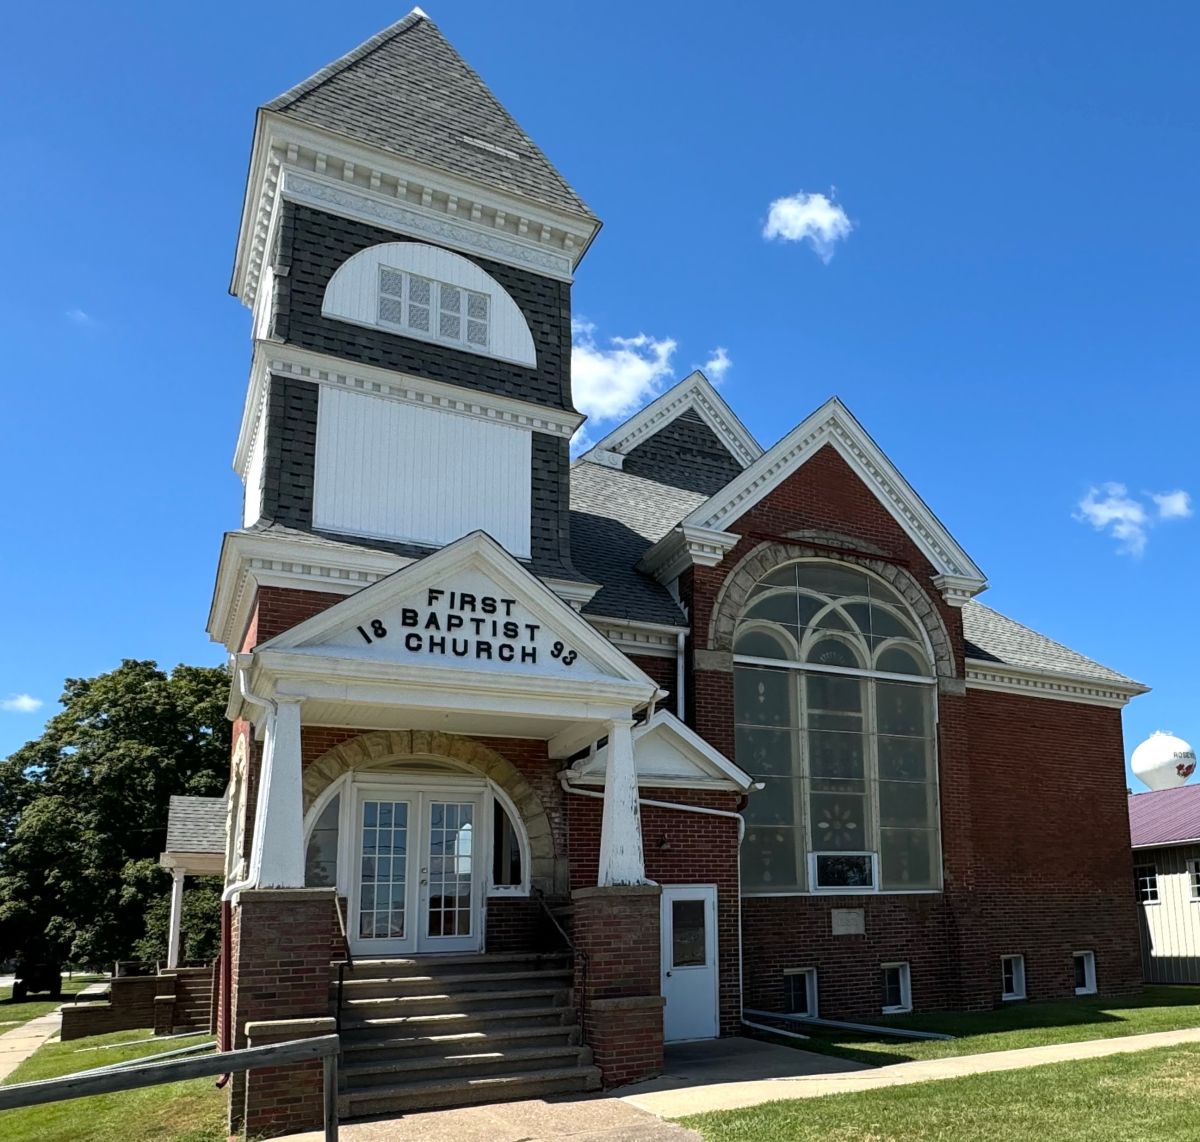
(1165,816)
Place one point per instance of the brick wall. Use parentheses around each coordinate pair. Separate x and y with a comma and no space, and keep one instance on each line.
(680,848)
(130,1005)
(1034,821)
(282,947)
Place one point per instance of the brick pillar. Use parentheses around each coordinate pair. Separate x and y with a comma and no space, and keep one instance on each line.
(280,955)
(619,983)
(284,1100)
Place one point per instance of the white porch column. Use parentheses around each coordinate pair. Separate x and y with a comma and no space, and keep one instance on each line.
(621,860)
(277,852)
(176,917)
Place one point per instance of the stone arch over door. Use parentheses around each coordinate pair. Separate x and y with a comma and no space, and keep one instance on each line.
(383,750)
(763,559)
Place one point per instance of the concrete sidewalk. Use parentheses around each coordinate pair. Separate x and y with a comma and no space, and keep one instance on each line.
(18,1044)
(698,1099)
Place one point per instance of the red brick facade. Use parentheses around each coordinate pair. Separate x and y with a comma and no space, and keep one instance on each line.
(1033,828)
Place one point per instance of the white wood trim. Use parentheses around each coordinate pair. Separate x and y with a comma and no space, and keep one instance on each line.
(833,424)
(1005,679)
(458,211)
(694,392)
(353,295)
(270,357)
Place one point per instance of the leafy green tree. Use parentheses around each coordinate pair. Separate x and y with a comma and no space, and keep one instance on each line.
(84,807)
(200,926)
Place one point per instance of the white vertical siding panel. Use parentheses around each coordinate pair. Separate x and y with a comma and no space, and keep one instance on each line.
(393,470)
(1171,928)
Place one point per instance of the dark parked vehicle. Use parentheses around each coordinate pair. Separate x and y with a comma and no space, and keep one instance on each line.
(34,978)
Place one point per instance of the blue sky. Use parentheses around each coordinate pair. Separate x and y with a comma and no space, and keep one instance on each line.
(999,278)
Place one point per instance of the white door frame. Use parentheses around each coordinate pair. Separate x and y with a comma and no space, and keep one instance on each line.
(707,892)
(419,791)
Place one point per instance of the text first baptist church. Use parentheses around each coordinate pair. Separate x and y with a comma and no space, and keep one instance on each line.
(539,764)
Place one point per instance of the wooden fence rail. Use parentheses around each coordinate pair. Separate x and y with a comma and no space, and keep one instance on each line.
(134,1075)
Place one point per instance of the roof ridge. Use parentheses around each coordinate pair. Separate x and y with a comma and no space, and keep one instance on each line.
(347,59)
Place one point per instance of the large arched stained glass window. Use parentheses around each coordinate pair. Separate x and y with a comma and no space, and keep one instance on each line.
(835,715)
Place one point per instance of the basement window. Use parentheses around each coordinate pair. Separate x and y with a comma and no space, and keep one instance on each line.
(896,988)
(1085,973)
(1012,974)
(1145,878)
(800,992)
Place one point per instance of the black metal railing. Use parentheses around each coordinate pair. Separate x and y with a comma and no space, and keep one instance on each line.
(343,965)
(578,955)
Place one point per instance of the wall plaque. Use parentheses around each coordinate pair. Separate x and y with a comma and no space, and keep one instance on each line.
(847,922)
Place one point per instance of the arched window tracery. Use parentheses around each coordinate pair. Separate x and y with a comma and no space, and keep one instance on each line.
(834,699)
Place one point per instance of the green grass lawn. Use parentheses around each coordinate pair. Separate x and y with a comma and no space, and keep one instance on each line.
(12,1014)
(1121,1098)
(192,1111)
(1017,1025)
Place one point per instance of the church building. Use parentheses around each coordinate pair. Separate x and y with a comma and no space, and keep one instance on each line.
(540,763)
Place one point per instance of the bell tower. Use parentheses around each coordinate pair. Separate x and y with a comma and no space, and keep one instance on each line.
(407,253)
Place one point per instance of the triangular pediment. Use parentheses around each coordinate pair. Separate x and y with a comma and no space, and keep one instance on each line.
(469,606)
(695,394)
(668,753)
(833,424)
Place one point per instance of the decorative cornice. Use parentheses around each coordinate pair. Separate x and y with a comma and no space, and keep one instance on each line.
(1006,679)
(365,206)
(956,589)
(693,392)
(643,639)
(428,202)
(833,424)
(684,547)
(272,357)
(253,559)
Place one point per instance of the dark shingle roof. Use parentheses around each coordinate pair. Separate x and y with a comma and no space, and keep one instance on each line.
(615,518)
(994,637)
(1165,816)
(408,92)
(196,825)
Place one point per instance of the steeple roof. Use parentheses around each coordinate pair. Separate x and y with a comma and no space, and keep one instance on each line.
(408,92)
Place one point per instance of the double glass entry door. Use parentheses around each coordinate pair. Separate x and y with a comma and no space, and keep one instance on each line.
(417,876)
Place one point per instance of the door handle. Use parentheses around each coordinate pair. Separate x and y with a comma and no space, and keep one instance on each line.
(668,975)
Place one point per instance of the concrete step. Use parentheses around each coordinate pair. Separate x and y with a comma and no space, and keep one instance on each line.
(459,1001)
(465,1091)
(455,982)
(356,1048)
(456,964)
(461,1063)
(358,1026)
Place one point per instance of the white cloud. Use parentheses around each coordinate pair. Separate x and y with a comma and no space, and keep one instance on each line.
(717,365)
(1173,505)
(1109,507)
(609,381)
(20,704)
(810,218)
(78,316)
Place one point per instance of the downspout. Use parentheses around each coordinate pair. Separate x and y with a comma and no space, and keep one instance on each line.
(680,648)
(737,816)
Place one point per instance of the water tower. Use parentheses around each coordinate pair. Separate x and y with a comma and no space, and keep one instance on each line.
(1163,761)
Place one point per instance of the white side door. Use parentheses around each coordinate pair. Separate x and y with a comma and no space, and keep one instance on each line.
(689,962)
(449,880)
